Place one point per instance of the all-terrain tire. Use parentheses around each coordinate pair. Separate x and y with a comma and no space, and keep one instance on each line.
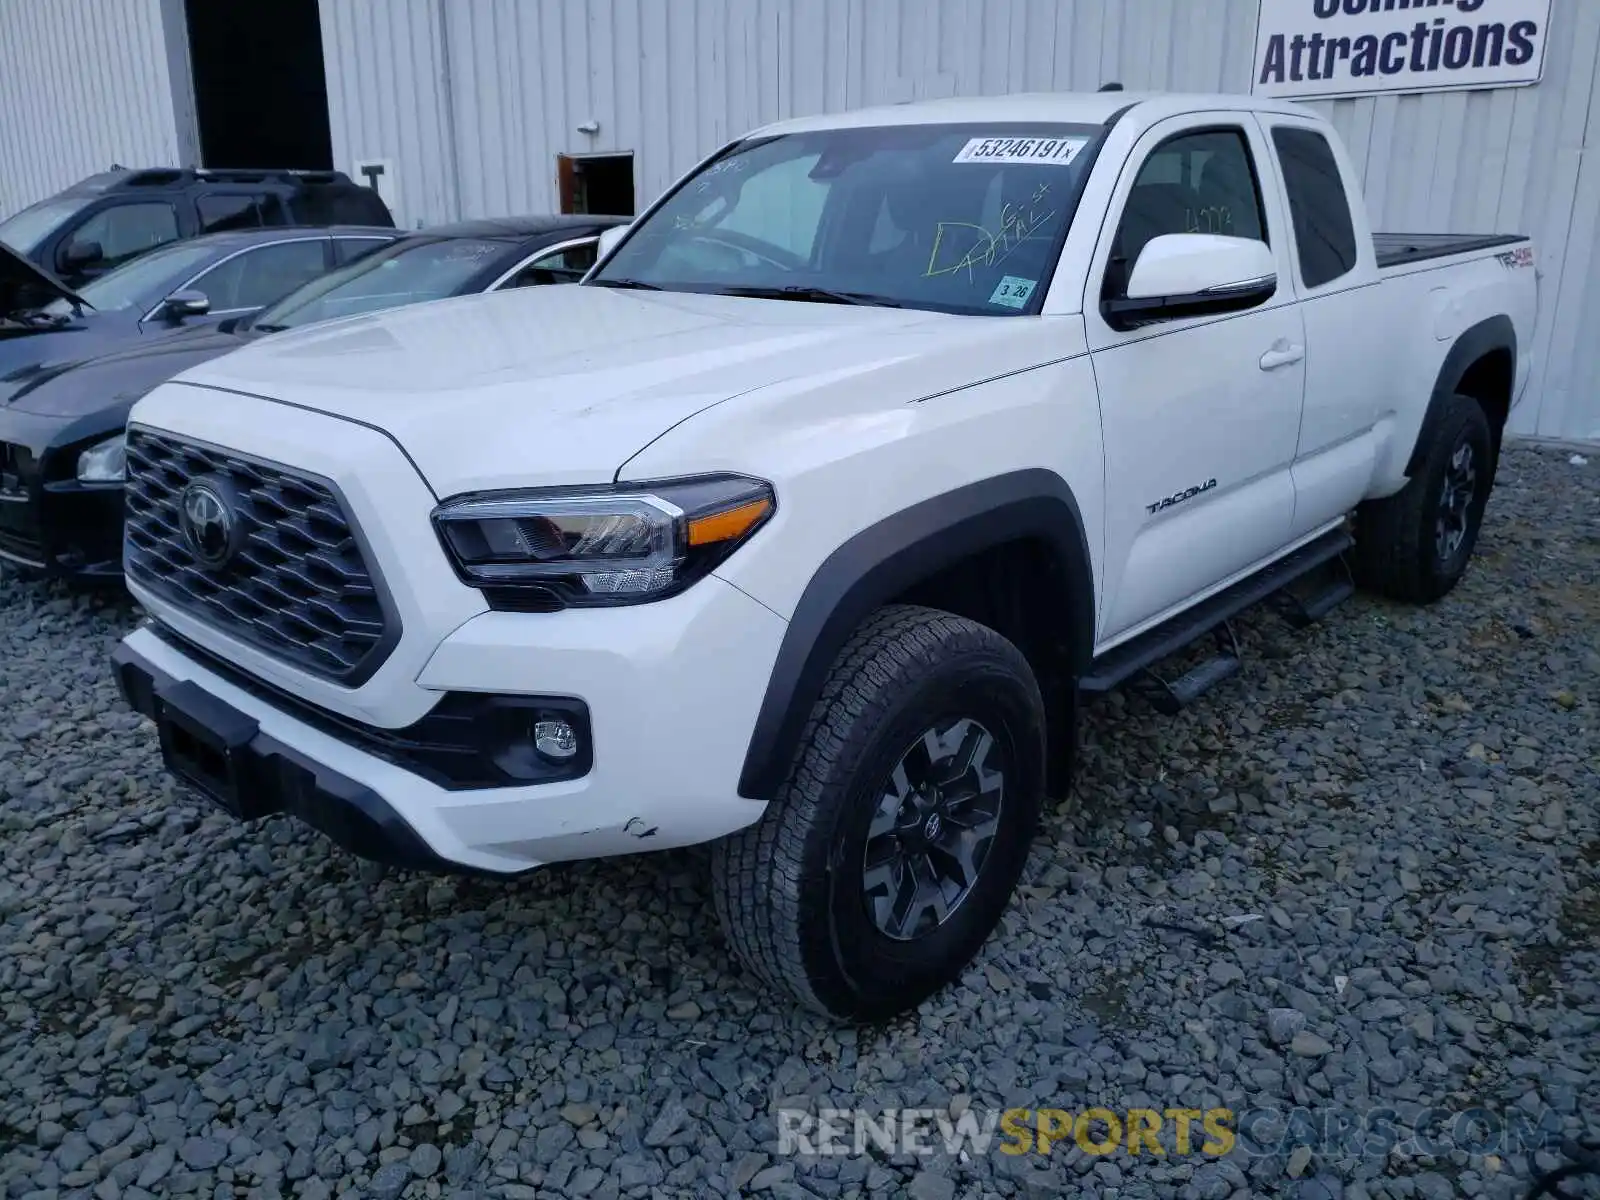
(1402,550)
(790,891)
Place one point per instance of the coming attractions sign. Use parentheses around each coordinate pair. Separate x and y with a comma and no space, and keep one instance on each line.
(1323,49)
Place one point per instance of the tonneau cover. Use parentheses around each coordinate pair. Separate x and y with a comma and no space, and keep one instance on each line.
(1398,249)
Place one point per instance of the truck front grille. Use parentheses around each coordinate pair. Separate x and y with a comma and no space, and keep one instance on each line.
(296,584)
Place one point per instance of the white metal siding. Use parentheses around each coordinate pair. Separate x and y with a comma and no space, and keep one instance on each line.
(387,99)
(83,84)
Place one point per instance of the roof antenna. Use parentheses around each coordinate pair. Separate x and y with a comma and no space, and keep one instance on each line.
(1110,87)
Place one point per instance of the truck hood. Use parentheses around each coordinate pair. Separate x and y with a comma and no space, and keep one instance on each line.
(562,384)
(24,286)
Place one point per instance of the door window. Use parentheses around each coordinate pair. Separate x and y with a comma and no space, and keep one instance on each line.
(128,230)
(260,276)
(562,266)
(1324,235)
(353,248)
(224,211)
(1200,182)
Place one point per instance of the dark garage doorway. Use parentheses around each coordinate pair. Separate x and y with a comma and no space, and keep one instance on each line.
(260,92)
(600,184)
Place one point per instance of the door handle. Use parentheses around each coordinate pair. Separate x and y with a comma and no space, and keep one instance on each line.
(1282,356)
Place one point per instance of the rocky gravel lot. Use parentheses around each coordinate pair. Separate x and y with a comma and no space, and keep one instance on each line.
(1363,874)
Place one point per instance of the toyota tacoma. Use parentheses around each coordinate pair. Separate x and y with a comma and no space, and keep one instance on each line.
(802,526)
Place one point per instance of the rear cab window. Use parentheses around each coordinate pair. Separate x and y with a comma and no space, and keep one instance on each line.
(1319,208)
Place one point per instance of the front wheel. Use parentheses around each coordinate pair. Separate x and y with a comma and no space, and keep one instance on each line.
(889,855)
(1415,545)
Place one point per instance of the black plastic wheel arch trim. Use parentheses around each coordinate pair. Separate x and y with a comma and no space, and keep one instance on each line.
(885,560)
(1485,338)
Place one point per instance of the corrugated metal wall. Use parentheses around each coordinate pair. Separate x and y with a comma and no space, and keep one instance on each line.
(83,84)
(474,101)
(388,99)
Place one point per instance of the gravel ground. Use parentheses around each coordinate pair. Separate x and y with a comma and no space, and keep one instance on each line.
(1405,801)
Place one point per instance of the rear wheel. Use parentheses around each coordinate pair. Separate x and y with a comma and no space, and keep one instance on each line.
(1416,544)
(888,857)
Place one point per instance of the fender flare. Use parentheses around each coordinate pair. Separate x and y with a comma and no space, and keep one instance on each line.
(1486,337)
(889,557)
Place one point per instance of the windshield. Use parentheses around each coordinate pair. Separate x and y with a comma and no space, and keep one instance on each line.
(953,218)
(407,273)
(141,282)
(28,228)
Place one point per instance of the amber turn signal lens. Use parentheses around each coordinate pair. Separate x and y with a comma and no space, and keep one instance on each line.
(729,525)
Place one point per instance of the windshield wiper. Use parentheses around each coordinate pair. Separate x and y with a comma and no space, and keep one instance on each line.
(805,292)
(631,284)
(262,329)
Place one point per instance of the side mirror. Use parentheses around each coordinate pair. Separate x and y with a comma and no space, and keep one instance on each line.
(75,256)
(609,239)
(185,304)
(1194,275)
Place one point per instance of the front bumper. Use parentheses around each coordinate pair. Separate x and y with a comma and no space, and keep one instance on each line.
(50,522)
(670,692)
(252,774)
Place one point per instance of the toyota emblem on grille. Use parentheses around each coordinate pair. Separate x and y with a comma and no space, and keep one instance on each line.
(209,522)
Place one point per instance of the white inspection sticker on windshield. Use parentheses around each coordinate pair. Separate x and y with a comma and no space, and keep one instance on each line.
(1012,291)
(1048,151)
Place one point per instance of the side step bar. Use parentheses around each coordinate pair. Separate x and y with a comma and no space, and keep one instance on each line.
(1136,657)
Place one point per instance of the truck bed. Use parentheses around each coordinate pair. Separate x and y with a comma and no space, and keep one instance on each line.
(1401,249)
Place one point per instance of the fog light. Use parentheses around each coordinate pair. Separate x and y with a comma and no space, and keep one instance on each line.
(555,739)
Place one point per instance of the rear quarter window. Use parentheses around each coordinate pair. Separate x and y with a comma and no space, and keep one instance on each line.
(224,211)
(1324,234)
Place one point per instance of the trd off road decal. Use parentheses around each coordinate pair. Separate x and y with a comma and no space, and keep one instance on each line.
(1522,256)
(1186,494)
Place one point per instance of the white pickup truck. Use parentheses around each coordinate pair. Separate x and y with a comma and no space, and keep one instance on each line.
(801,526)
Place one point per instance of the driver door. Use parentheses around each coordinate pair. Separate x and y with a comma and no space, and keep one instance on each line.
(1201,415)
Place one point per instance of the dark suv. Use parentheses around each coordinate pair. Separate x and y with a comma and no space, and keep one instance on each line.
(110,218)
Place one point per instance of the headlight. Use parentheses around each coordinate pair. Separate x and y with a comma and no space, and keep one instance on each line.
(600,546)
(104,462)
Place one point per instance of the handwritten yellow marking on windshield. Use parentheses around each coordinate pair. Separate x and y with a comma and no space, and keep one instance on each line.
(989,248)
